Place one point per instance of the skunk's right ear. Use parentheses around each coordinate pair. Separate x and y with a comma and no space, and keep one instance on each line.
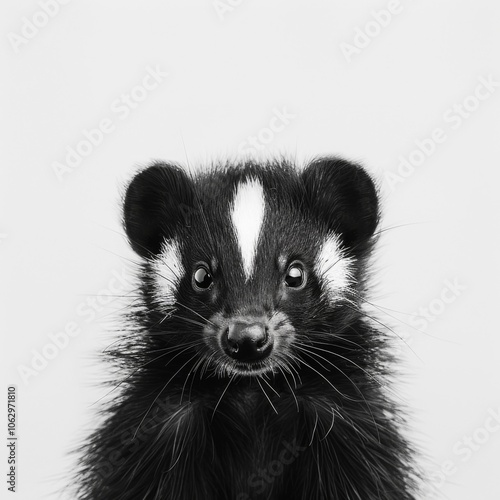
(344,197)
(152,211)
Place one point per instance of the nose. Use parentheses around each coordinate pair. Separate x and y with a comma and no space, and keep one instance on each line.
(245,341)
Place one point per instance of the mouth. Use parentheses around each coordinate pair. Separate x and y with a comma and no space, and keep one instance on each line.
(254,368)
(225,366)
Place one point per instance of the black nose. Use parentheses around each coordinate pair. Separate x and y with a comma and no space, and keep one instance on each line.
(247,341)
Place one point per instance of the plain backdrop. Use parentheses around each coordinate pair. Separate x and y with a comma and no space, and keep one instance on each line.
(409,89)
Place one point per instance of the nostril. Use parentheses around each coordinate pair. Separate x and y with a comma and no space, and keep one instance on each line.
(246,341)
(233,346)
(263,338)
(229,343)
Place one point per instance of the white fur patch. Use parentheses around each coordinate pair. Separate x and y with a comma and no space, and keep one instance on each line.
(247,216)
(168,272)
(333,267)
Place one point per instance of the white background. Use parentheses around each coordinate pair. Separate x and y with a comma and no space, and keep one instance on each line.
(228,71)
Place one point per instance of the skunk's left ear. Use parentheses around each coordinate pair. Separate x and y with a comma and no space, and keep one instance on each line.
(344,197)
(152,210)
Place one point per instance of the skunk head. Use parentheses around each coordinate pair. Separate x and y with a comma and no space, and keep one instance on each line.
(244,265)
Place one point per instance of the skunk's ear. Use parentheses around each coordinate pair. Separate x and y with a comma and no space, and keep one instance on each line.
(152,211)
(344,197)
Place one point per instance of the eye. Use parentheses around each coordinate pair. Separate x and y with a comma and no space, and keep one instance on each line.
(202,279)
(295,276)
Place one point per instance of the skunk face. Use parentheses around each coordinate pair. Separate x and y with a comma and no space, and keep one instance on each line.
(251,370)
(245,264)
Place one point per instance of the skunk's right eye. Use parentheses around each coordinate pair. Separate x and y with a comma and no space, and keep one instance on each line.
(295,276)
(202,279)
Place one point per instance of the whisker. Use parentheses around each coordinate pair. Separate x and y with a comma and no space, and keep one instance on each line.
(142,366)
(345,359)
(331,425)
(159,394)
(270,386)
(358,390)
(265,394)
(314,428)
(197,314)
(325,379)
(288,383)
(222,395)
(372,318)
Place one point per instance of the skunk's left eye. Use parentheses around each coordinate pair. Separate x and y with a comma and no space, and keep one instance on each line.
(202,279)
(295,276)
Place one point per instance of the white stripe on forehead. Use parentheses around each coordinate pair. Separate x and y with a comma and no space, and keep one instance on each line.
(334,268)
(247,215)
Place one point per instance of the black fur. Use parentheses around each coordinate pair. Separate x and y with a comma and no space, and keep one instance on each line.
(318,424)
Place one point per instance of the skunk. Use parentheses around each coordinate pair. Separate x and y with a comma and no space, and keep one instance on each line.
(248,367)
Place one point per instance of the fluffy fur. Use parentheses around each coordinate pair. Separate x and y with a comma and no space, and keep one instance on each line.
(309,418)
